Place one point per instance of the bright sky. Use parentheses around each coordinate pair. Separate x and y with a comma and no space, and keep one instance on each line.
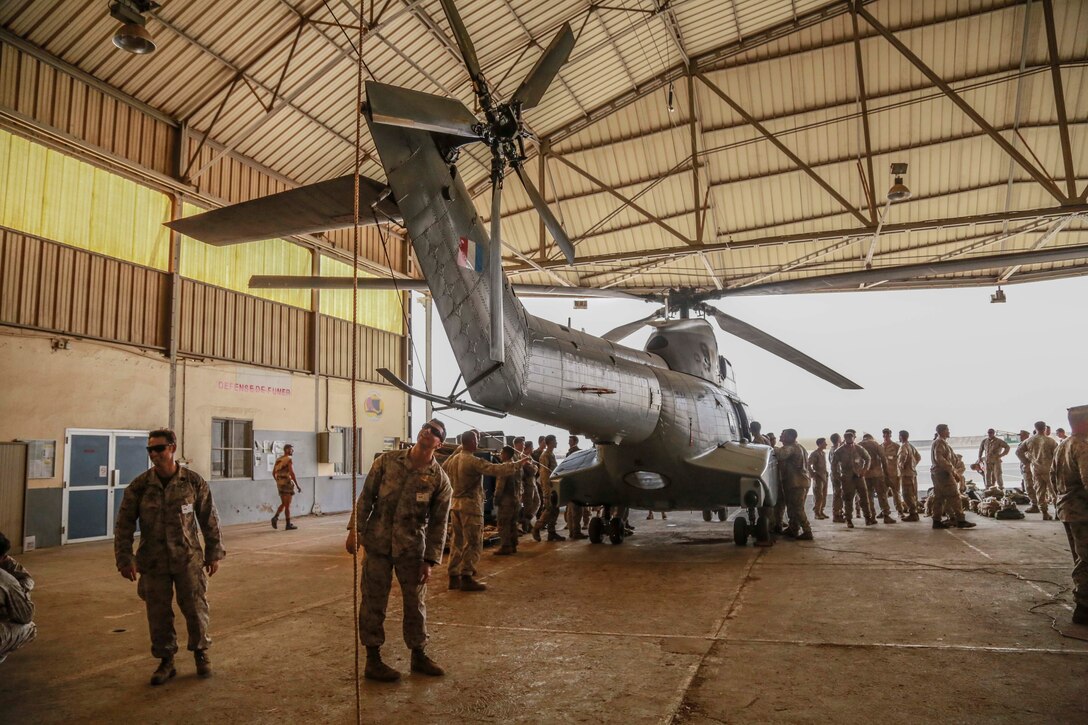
(923,357)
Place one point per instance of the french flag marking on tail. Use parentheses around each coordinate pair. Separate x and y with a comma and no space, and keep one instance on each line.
(470,255)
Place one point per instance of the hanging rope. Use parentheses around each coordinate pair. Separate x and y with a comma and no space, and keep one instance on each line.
(355,442)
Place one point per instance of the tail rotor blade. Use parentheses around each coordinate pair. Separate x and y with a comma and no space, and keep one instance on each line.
(631,327)
(495,273)
(553,225)
(772,344)
(535,85)
(464,42)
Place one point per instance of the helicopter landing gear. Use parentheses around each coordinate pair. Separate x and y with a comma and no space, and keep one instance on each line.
(740,531)
(596,530)
(708,515)
(615,530)
(762,531)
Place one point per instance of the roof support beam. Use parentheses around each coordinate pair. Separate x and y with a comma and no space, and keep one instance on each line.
(693,124)
(782,147)
(1059,97)
(864,103)
(628,202)
(964,106)
(1041,242)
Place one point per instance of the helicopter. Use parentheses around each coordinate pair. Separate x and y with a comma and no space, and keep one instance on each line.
(669,429)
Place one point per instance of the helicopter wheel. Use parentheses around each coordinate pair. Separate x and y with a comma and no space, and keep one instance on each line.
(596,530)
(740,531)
(708,515)
(762,531)
(723,514)
(615,530)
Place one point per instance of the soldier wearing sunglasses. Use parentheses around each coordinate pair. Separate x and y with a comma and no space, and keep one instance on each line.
(170,503)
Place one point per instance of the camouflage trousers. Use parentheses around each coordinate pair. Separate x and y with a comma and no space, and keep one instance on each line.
(508,516)
(877,485)
(1029,483)
(191,590)
(992,473)
(819,494)
(855,486)
(836,497)
(376,582)
(550,515)
(466,542)
(14,635)
(1077,532)
(1040,475)
(893,486)
(574,517)
(946,496)
(909,483)
(530,502)
(795,505)
(780,508)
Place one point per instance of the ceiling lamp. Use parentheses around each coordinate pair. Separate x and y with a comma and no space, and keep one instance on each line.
(132,36)
(899,190)
(997,297)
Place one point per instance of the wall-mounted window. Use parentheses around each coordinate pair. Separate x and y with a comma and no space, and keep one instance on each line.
(232,448)
(349,450)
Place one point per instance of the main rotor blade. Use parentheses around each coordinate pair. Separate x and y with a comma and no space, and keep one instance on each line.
(772,344)
(631,327)
(553,225)
(305,210)
(494,271)
(464,42)
(386,284)
(397,106)
(534,86)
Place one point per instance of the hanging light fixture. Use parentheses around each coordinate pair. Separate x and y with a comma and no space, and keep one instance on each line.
(671,99)
(132,36)
(899,190)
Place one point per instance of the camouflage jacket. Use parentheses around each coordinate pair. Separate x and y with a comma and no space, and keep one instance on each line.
(907,460)
(1040,450)
(171,517)
(817,464)
(547,465)
(466,473)
(1071,479)
(878,464)
(850,460)
(831,470)
(402,512)
(792,459)
(15,587)
(508,489)
(1022,454)
(992,449)
(942,457)
(891,457)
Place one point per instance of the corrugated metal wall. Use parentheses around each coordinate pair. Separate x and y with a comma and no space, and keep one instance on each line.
(57,99)
(50,286)
(377,349)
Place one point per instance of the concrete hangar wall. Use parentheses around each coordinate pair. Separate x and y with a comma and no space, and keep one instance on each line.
(111,323)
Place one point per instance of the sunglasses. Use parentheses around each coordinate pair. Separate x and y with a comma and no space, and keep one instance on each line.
(159,448)
(434,431)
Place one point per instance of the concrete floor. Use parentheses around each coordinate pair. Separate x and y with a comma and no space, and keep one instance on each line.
(893,623)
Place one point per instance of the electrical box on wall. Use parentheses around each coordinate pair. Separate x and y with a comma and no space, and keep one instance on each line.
(330,446)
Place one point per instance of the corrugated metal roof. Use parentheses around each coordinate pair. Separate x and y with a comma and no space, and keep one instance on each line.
(790,64)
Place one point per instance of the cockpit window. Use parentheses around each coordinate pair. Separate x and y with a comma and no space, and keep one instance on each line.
(658,342)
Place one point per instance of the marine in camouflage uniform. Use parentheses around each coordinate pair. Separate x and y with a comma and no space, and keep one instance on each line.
(400,521)
(508,504)
(907,463)
(1025,471)
(550,515)
(946,493)
(793,479)
(850,462)
(1071,488)
(891,454)
(530,495)
(817,466)
(1040,452)
(173,507)
(990,452)
(836,482)
(876,479)
(466,472)
(17,626)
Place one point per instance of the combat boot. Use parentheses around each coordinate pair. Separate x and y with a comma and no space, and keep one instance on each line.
(424,665)
(275,522)
(455,581)
(805,536)
(552,536)
(164,672)
(468,584)
(1080,614)
(849,523)
(938,524)
(536,533)
(203,663)
(889,520)
(965,524)
(912,517)
(376,669)
(578,535)
(290,527)
(1047,516)
(838,520)
(1033,509)
(504,551)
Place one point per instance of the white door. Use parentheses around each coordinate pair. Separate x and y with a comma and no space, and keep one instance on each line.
(98,465)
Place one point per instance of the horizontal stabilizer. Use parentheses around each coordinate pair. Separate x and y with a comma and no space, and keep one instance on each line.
(305,210)
(414,109)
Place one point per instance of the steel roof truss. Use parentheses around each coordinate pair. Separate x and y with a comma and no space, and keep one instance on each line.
(1059,97)
(870,187)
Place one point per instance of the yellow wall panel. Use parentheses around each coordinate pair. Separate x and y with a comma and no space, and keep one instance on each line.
(381,310)
(232,266)
(60,198)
